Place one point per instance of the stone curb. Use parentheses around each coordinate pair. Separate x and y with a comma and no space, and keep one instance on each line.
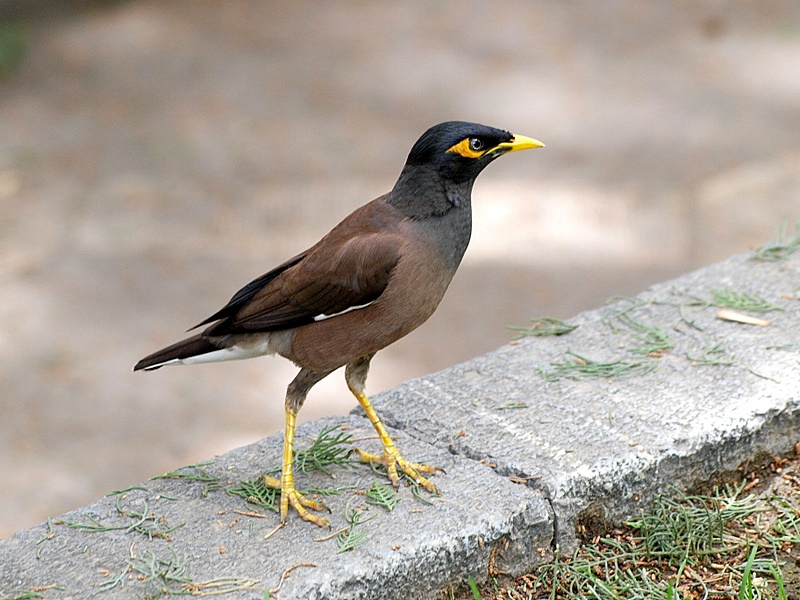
(527,452)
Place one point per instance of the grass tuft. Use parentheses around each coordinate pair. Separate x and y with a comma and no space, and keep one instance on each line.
(512,406)
(141,521)
(649,340)
(779,248)
(326,450)
(721,546)
(543,327)
(712,355)
(380,494)
(692,526)
(743,301)
(255,491)
(579,366)
(476,594)
(349,538)
(168,576)
(416,489)
(196,472)
(38,592)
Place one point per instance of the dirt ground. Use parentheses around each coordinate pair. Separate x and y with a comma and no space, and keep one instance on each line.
(155,156)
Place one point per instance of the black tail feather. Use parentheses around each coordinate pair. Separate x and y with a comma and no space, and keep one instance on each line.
(192,346)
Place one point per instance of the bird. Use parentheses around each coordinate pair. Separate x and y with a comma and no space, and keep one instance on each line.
(375,277)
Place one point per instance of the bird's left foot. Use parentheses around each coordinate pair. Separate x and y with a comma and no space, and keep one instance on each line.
(392,460)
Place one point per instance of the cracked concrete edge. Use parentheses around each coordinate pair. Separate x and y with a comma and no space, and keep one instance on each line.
(627,489)
(513,546)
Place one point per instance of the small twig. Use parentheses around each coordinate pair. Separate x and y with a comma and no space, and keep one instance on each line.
(334,534)
(286,574)
(274,531)
(727,314)
(249,513)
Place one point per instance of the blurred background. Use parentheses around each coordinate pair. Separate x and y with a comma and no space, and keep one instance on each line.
(156,156)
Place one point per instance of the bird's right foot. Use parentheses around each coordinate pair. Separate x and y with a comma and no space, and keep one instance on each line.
(392,460)
(291,497)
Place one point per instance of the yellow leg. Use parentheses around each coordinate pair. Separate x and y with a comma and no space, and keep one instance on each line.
(391,457)
(289,494)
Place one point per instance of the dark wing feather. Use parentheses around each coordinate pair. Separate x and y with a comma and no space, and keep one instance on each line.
(328,279)
(241,297)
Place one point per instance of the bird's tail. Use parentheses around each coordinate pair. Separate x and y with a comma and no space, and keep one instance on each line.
(176,353)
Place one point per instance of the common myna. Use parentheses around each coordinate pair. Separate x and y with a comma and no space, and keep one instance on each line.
(378,275)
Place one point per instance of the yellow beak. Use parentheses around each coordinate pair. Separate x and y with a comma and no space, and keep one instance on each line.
(520,142)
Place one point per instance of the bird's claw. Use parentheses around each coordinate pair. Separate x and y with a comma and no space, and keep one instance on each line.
(291,497)
(392,460)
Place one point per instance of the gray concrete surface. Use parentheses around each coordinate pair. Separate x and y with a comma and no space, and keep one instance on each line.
(155,156)
(525,456)
(608,445)
(414,549)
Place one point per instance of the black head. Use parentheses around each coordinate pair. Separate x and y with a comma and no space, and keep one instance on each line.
(443,165)
(460,150)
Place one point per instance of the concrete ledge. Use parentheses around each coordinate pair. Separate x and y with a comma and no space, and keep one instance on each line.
(599,445)
(418,548)
(611,445)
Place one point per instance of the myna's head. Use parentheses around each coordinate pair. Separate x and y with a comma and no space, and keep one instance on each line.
(461,150)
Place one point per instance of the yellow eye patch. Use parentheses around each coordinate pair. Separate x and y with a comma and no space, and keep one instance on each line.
(464,149)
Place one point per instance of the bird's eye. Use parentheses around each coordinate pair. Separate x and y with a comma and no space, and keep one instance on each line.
(475,144)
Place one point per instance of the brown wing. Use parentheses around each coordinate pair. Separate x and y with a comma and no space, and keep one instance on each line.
(329,279)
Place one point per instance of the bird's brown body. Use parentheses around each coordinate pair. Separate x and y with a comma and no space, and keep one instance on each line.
(371,251)
(374,278)
(327,344)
